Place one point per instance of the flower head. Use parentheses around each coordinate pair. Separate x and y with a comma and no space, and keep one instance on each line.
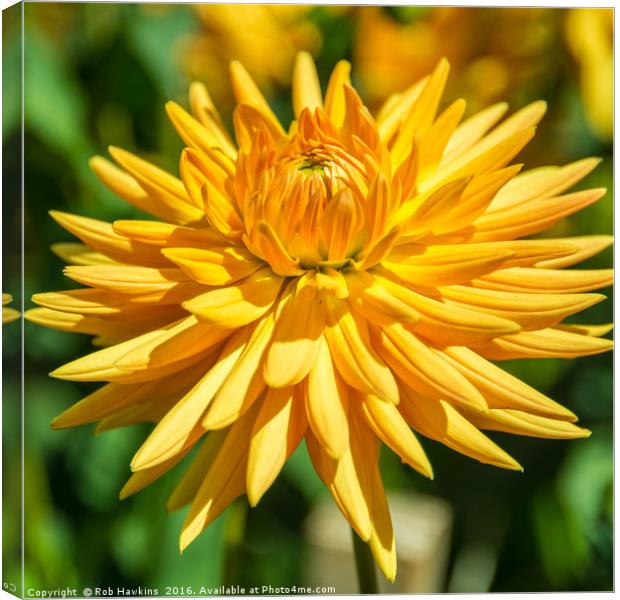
(345,282)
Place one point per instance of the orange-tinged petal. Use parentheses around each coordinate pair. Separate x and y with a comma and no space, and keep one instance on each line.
(531,217)
(449,324)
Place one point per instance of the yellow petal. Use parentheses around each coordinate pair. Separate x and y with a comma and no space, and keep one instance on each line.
(356,360)
(79,254)
(160,234)
(334,96)
(180,424)
(471,130)
(82,301)
(500,389)
(306,87)
(439,265)
(141,479)
(143,354)
(186,489)
(342,478)
(423,112)
(245,381)
(422,369)
(161,187)
(278,430)
(541,183)
(296,337)
(523,423)
(449,324)
(214,266)
(375,303)
(531,311)
(247,92)
(341,221)
(114,397)
(237,305)
(531,217)
(274,252)
(224,481)
(101,237)
(440,421)
(138,284)
(203,135)
(388,424)
(433,143)
(545,281)
(326,404)
(545,343)
(587,246)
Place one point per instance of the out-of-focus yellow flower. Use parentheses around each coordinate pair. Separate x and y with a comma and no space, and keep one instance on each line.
(589,32)
(8,314)
(264,37)
(344,281)
(495,52)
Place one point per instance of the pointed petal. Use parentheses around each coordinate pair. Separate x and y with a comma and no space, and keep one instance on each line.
(388,424)
(440,421)
(306,87)
(353,355)
(278,430)
(327,403)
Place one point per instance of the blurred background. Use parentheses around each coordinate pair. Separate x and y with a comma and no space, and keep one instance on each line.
(99,74)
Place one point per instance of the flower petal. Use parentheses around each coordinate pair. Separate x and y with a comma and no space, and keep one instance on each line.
(237,305)
(277,431)
(327,401)
(356,360)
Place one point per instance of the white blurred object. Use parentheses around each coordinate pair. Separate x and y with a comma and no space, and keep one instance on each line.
(422,525)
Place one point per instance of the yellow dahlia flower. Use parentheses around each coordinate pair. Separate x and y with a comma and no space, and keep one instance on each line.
(8,314)
(346,281)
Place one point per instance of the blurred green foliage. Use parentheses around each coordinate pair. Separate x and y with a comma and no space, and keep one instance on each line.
(99,74)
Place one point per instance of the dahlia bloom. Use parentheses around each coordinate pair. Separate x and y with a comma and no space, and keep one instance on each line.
(346,282)
(8,314)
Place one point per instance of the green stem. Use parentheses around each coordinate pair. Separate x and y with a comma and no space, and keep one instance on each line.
(365,566)
(234,532)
